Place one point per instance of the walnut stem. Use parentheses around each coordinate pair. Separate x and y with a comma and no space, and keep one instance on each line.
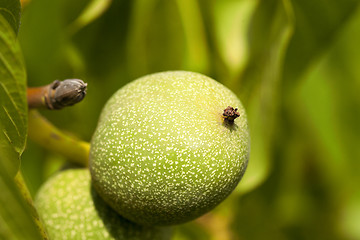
(48,136)
(57,94)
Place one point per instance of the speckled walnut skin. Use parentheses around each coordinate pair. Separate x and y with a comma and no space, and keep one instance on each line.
(71,209)
(162,153)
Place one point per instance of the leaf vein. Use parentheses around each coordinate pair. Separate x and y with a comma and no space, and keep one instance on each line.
(7,136)
(12,120)
(8,93)
(9,12)
(6,63)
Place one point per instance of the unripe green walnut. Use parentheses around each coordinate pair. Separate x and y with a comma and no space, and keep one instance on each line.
(71,209)
(163,151)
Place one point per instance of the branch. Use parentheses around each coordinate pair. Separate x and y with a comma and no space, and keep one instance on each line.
(48,136)
(57,95)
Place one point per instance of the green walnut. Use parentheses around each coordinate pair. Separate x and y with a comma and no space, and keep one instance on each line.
(71,209)
(169,147)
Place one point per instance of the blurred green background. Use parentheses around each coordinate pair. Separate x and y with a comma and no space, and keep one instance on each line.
(293,63)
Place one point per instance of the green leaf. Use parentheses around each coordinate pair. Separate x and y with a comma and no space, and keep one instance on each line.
(231,27)
(15,216)
(196,56)
(261,85)
(93,11)
(16,220)
(317,25)
(13,105)
(10,9)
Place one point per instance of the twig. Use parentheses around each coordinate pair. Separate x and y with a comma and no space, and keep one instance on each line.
(48,136)
(57,95)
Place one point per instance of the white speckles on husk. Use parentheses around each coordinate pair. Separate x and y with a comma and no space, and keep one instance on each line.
(162,153)
(71,209)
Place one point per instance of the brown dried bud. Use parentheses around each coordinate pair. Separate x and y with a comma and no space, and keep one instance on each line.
(230,114)
(65,93)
